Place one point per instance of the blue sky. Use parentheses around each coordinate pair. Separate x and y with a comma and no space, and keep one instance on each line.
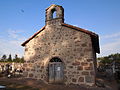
(20,19)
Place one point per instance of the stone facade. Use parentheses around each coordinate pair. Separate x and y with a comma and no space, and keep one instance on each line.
(73,45)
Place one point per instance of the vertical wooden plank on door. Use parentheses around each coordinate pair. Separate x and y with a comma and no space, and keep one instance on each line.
(58,72)
(51,72)
(61,72)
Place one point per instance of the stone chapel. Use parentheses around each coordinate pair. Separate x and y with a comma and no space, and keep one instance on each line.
(61,53)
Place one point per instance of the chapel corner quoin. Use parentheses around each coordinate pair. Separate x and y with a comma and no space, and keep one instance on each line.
(61,53)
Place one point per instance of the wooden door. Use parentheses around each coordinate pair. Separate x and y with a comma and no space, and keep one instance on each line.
(55,72)
(51,72)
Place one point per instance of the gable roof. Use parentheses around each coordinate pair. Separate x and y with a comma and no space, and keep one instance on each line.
(23,44)
(94,37)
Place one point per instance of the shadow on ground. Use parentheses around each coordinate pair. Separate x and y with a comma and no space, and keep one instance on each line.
(31,84)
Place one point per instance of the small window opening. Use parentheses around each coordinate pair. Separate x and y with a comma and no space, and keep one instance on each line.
(54,15)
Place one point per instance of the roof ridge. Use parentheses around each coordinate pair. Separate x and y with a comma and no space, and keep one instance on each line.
(81,29)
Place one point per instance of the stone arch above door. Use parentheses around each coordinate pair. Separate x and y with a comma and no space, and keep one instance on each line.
(55,59)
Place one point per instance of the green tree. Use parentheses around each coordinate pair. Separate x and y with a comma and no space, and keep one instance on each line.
(109,59)
(4,58)
(16,56)
(22,60)
(17,59)
(9,58)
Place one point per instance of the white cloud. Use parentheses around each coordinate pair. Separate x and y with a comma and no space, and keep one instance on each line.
(111,35)
(12,46)
(14,33)
(111,44)
(110,48)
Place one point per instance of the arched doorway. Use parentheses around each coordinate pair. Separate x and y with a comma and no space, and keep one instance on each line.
(55,70)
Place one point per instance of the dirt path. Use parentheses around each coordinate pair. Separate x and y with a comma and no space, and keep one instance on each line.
(31,84)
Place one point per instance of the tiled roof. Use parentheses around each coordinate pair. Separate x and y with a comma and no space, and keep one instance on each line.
(80,29)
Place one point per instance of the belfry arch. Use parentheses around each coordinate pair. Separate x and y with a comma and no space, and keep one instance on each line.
(59,12)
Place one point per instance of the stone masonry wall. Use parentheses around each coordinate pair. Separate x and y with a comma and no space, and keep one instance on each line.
(73,47)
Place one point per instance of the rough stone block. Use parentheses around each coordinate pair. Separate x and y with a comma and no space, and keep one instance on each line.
(89,60)
(42,67)
(76,63)
(25,74)
(30,75)
(88,68)
(85,73)
(87,50)
(79,68)
(81,79)
(70,66)
(24,65)
(92,73)
(84,45)
(89,79)
(65,72)
(84,63)
(74,80)
(32,69)
(27,69)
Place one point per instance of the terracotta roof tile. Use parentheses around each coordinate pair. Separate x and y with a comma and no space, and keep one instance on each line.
(80,29)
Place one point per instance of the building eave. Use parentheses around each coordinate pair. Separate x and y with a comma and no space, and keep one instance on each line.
(94,36)
(23,44)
